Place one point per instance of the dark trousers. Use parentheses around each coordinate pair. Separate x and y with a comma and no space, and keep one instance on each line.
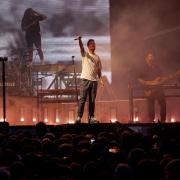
(87,88)
(160,97)
(34,39)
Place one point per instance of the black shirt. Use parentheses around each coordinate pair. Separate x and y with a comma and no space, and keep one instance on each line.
(34,22)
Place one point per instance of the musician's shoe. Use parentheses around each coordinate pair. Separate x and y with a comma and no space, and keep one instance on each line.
(93,120)
(78,120)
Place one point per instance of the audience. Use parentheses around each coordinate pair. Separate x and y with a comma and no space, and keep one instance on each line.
(117,154)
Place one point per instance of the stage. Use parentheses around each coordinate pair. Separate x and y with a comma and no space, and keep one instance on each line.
(26,111)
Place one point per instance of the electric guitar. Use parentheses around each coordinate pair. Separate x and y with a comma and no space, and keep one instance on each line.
(152,85)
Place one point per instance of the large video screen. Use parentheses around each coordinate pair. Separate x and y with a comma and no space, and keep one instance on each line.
(66,19)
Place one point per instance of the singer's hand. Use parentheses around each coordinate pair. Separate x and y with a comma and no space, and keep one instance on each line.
(78,38)
(102,82)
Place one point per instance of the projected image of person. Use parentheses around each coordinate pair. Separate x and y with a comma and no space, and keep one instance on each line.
(30,24)
(91,73)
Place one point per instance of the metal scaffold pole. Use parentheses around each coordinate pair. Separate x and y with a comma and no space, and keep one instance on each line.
(3,59)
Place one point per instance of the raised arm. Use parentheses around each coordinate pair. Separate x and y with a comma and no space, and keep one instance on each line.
(40,17)
(81,47)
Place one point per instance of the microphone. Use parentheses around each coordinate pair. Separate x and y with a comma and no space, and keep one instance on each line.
(77,38)
(73,59)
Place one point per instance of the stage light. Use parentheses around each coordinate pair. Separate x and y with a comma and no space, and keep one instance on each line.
(173,120)
(113,115)
(1,120)
(156,120)
(34,119)
(136,119)
(57,120)
(34,114)
(113,120)
(22,119)
(57,116)
(71,117)
(46,120)
(71,122)
(22,114)
(45,115)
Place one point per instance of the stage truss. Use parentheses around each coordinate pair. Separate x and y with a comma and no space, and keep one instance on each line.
(51,83)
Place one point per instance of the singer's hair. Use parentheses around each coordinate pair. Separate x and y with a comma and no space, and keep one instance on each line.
(89,41)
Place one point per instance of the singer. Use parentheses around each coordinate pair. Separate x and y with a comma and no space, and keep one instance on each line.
(91,73)
(30,24)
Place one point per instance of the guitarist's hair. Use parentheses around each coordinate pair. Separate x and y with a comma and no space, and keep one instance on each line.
(28,12)
(26,17)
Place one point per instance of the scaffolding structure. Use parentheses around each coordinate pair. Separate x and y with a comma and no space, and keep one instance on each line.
(51,83)
(56,83)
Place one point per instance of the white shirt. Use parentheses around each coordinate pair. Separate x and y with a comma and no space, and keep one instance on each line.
(90,65)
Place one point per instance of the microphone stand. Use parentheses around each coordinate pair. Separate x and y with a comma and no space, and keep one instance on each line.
(131,103)
(75,80)
(3,59)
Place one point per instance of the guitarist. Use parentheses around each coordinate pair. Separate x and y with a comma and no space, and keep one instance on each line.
(151,80)
(30,24)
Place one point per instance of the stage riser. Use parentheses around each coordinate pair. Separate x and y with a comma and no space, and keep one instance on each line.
(27,108)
